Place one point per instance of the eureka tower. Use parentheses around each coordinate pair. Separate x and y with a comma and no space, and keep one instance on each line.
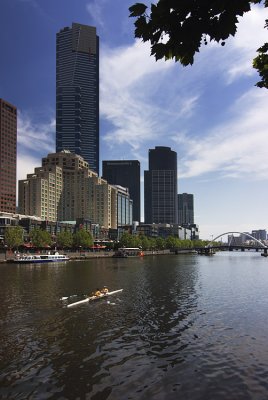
(77,92)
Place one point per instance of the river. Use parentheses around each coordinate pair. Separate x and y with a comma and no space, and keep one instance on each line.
(184,327)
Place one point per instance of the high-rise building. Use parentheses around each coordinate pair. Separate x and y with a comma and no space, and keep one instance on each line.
(77,92)
(40,193)
(125,173)
(77,195)
(8,156)
(259,234)
(124,206)
(160,187)
(185,209)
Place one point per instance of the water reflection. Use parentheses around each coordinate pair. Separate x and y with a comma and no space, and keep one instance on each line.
(182,327)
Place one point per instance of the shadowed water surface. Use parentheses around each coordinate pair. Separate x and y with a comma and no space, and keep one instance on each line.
(184,327)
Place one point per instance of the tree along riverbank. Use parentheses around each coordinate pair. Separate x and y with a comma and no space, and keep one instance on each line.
(84,255)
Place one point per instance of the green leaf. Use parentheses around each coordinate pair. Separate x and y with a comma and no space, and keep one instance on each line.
(137,10)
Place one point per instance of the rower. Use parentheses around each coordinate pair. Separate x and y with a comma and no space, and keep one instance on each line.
(97,293)
(104,290)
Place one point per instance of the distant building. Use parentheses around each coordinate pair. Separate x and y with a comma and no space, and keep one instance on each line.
(65,189)
(124,207)
(259,234)
(8,156)
(185,209)
(40,193)
(160,187)
(166,230)
(77,92)
(125,173)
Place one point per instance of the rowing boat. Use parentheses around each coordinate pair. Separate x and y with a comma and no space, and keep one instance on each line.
(92,298)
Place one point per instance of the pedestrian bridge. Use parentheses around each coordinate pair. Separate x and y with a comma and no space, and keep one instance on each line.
(210,248)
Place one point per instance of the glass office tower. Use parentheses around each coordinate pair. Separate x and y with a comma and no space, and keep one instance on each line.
(127,174)
(77,92)
(185,209)
(160,187)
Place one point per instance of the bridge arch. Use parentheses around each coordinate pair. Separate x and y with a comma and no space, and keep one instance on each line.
(210,244)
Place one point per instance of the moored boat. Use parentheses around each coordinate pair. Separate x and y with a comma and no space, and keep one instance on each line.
(125,252)
(38,258)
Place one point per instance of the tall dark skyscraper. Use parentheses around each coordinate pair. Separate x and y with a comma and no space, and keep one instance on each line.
(77,92)
(8,156)
(160,187)
(185,209)
(125,173)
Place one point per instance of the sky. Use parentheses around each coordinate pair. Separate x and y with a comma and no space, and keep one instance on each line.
(211,113)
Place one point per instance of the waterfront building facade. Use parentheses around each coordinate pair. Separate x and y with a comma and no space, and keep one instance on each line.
(77,196)
(40,193)
(185,209)
(124,206)
(125,173)
(259,234)
(77,92)
(160,187)
(105,207)
(8,156)
(65,189)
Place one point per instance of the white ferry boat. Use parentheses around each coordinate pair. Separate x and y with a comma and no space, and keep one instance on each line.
(38,258)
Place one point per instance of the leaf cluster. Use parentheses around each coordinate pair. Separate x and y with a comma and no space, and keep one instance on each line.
(14,236)
(159,243)
(82,238)
(177,28)
(40,238)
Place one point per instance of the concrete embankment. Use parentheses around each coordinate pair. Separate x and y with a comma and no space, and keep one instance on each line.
(98,254)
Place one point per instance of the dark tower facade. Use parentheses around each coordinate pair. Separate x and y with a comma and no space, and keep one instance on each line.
(77,92)
(125,173)
(185,209)
(160,187)
(8,156)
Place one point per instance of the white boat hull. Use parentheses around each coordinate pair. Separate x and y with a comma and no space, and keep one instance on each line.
(39,258)
(88,299)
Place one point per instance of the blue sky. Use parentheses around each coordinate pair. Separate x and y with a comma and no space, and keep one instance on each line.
(211,114)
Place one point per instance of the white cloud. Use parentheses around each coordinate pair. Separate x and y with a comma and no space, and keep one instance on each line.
(148,102)
(241,49)
(34,142)
(235,148)
(95,9)
(135,98)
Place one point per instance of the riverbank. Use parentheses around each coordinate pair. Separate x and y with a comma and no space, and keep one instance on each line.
(85,255)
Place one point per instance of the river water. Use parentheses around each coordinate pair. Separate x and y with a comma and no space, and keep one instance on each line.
(184,327)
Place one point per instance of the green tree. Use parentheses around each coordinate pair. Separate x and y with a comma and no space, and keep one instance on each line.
(14,236)
(40,238)
(128,240)
(261,64)
(172,242)
(187,243)
(65,239)
(82,238)
(152,243)
(160,243)
(145,242)
(177,28)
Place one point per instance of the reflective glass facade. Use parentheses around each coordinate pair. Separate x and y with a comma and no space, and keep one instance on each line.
(186,209)
(77,92)
(125,173)
(160,187)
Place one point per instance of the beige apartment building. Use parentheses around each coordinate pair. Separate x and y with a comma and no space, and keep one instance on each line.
(65,189)
(40,193)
